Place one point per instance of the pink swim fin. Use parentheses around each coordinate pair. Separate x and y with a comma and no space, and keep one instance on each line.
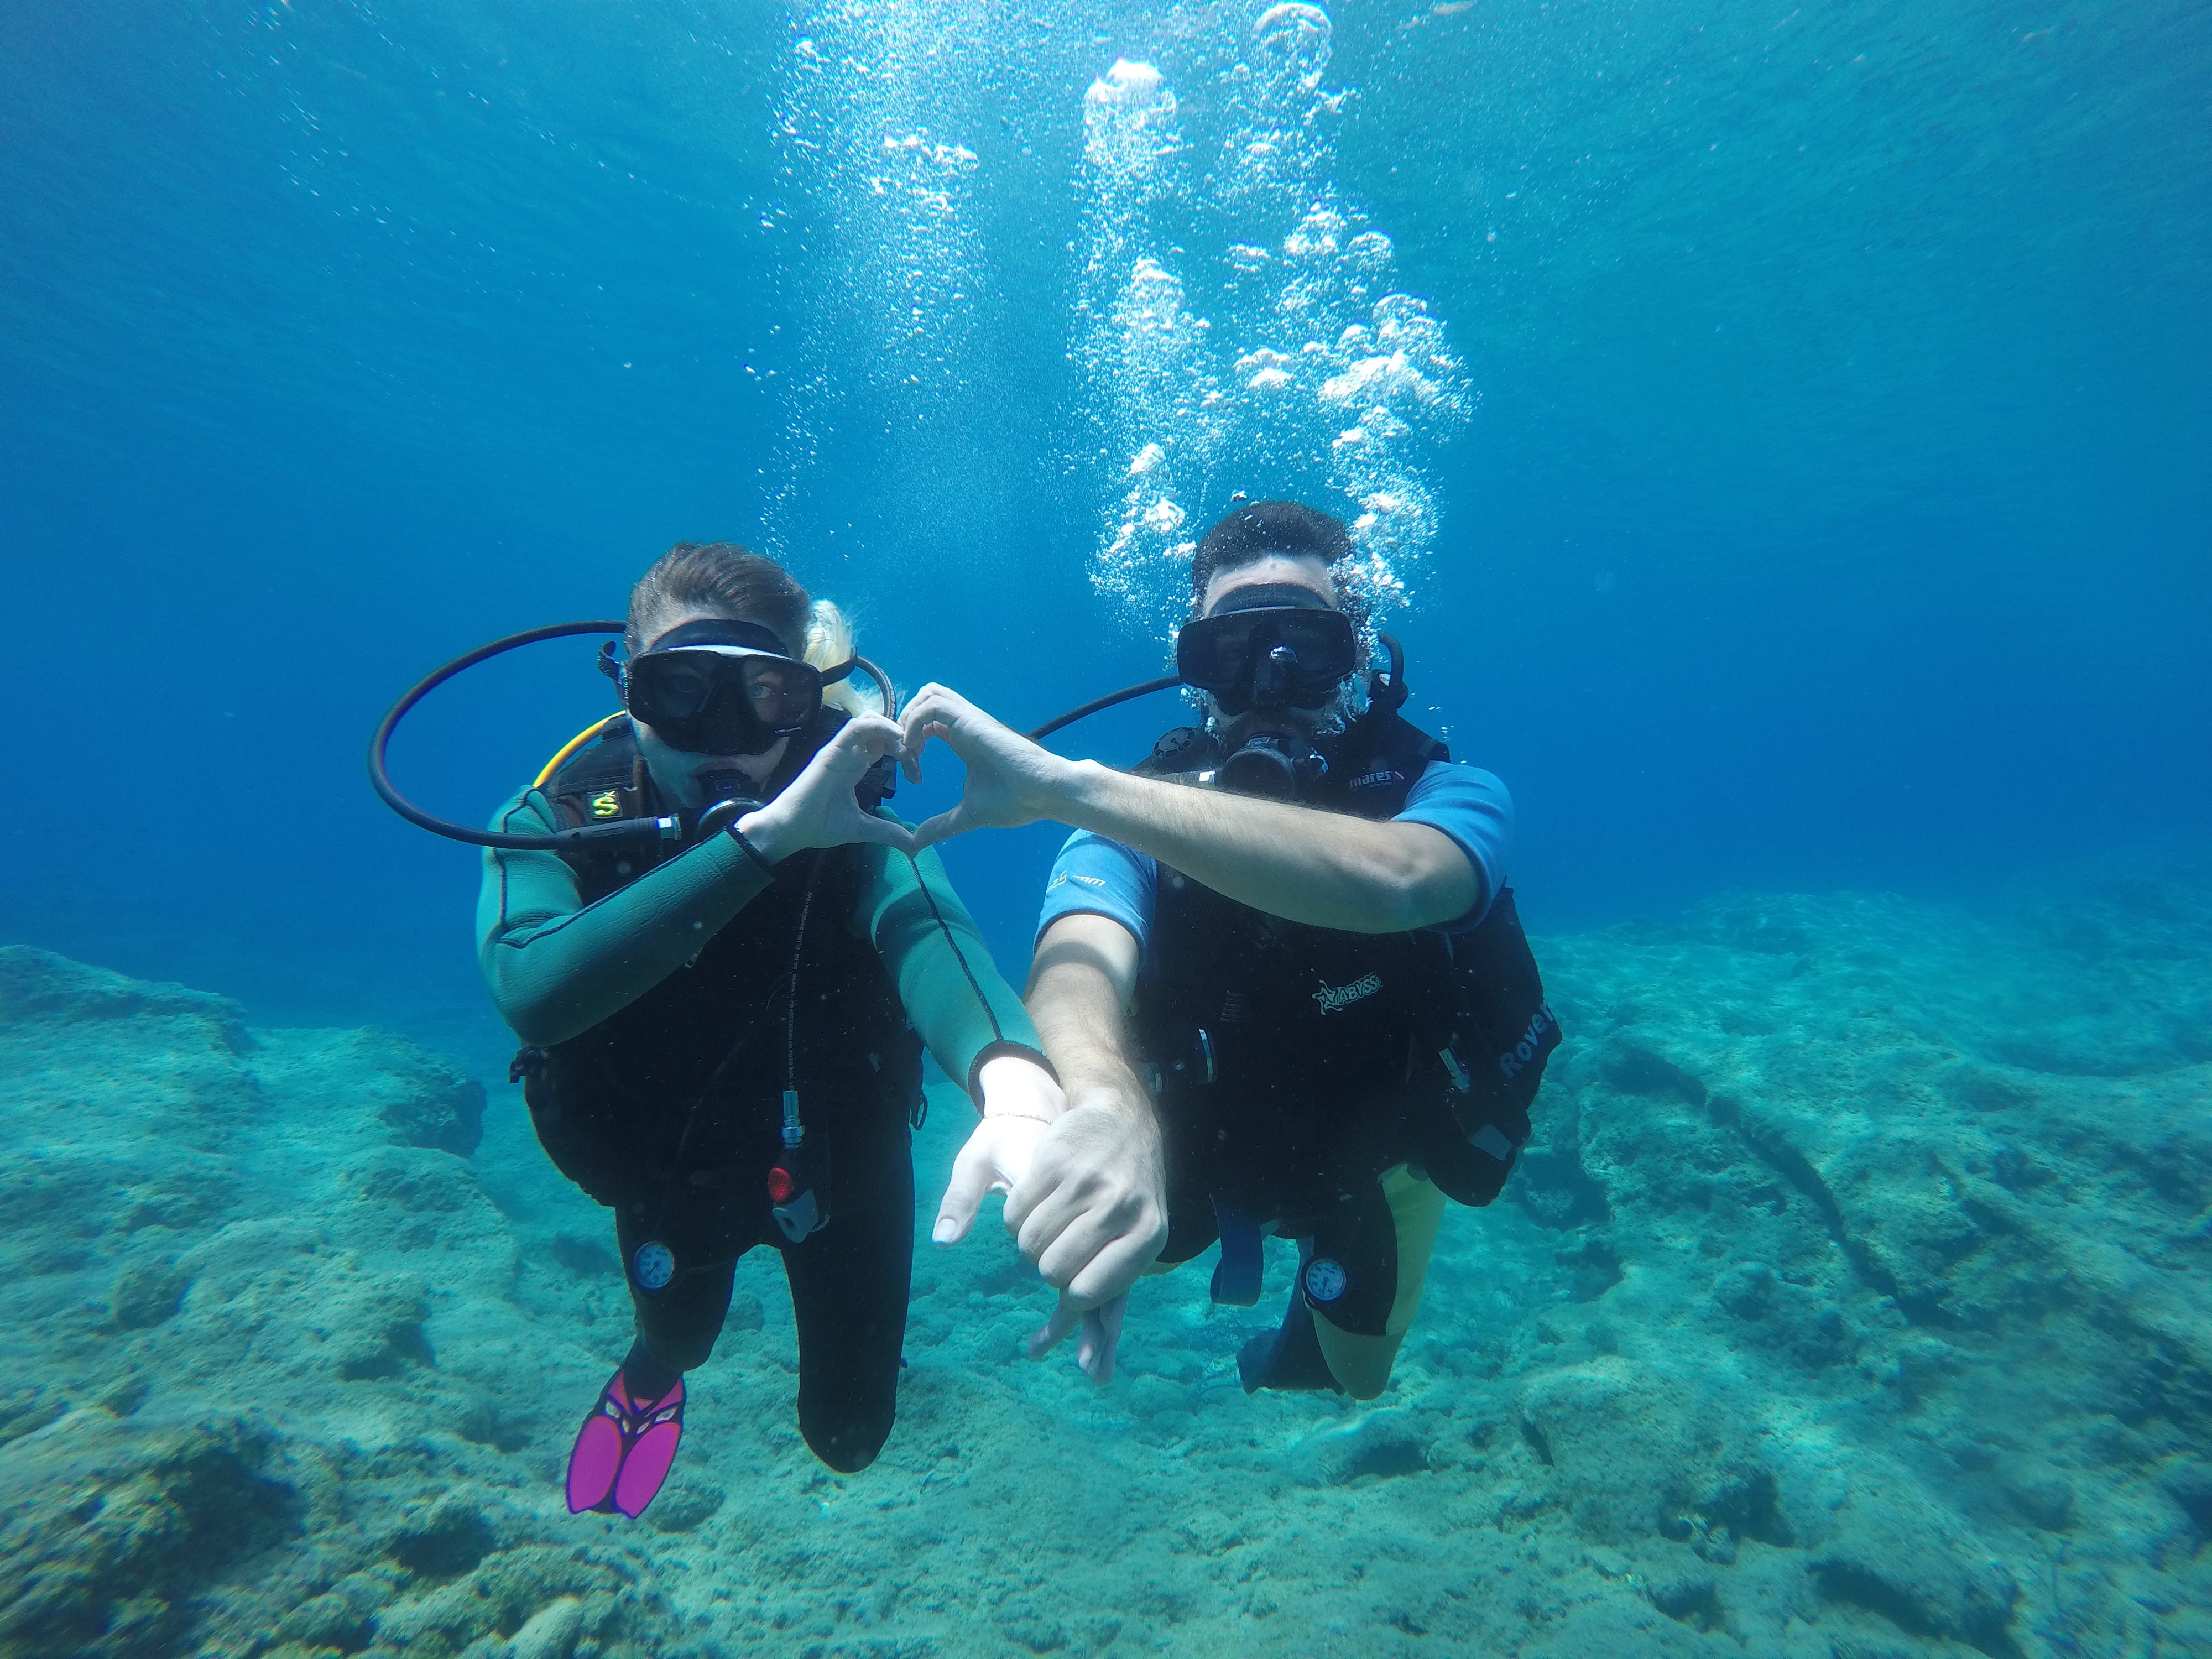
(624,1451)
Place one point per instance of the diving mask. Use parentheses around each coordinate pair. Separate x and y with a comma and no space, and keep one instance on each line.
(716,687)
(1273,645)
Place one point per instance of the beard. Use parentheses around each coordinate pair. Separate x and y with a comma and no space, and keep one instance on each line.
(1331,719)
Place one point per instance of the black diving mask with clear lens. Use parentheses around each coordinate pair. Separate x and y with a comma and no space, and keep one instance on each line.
(720,688)
(1272,651)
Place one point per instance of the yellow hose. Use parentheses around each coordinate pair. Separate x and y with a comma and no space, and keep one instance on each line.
(572,746)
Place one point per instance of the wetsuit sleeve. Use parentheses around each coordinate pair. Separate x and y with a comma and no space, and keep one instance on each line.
(1473,808)
(961,1007)
(1105,879)
(557,966)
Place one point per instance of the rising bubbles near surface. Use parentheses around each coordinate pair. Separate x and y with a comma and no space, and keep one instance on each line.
(1267,340)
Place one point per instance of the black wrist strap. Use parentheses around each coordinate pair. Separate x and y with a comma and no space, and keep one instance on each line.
(752,852)
(991,1051)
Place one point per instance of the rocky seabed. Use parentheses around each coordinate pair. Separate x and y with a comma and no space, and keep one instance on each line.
(1852,1303)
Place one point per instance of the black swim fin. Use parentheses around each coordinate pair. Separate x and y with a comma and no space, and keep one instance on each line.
(1288,1357)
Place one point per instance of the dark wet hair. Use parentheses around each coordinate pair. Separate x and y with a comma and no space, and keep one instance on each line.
(720,579)
(1261,529)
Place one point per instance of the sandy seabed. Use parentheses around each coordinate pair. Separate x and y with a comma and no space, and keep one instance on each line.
(1852,1303)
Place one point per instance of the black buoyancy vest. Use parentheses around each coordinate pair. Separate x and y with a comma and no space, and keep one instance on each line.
(689,1078)
(1309,1060)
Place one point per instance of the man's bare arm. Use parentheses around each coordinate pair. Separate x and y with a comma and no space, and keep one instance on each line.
(1328,869)
(1081,979)
(1092,1211)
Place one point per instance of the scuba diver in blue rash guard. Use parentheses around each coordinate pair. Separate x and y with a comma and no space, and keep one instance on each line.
(1277,969)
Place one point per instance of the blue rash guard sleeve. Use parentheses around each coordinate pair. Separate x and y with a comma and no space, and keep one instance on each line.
(1474,808)
(1102,877)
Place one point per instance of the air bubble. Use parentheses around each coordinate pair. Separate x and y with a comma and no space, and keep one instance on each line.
(1314,377)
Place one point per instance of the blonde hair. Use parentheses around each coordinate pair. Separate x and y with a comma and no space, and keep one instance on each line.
(830,643)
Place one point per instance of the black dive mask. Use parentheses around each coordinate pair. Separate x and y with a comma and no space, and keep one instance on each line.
(715,686)
(1273,644)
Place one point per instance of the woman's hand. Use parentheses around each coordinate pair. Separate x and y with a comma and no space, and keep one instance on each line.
(1021,1105)
(1011,780)
(818,808)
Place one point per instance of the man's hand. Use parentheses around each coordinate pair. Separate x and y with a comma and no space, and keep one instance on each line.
(1091,1212)
(1021,1105)
(1090,1208)
(997,1156)
(1101,1328)
(819,809)
(1011,780)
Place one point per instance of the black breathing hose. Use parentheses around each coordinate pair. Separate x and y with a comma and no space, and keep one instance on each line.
(1126,695)
(380,777)
(616,829)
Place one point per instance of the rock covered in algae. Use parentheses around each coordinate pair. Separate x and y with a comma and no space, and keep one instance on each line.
(234,1257)
(113,1529)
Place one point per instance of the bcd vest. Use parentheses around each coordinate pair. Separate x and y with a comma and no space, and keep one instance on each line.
(1304,1061)
(681,1091)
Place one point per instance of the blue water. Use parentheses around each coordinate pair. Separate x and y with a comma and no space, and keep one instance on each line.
(1833,508)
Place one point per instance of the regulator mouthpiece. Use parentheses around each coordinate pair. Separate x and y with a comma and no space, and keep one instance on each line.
(1275,763)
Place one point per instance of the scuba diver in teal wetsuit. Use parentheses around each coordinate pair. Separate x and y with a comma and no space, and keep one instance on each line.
(726,1026)
(1278,966)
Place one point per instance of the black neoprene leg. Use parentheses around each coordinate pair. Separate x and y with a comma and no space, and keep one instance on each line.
(1288,1357)
(1357,1245)
(849,1284)
(679,1322)
(649,1376)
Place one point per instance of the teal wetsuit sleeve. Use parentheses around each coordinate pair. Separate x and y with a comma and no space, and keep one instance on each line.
(557,966)
(946,981)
